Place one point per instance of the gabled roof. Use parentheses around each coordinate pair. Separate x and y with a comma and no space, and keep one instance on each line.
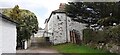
(56,11)
(60,10)
(7,18)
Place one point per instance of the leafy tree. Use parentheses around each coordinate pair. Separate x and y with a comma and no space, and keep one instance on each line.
(27,22)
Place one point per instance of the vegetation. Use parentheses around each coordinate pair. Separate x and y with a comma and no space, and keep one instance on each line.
(107,35)
(94,36)
(87,34)
(105,13)
(105,39)
(114,34)
(73,48)
(27,22)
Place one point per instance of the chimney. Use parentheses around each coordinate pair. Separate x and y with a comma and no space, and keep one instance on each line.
(62,6)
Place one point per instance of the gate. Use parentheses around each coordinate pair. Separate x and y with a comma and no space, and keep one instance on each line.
(75,37)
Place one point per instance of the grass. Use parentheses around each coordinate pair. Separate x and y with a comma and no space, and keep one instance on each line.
(73,48)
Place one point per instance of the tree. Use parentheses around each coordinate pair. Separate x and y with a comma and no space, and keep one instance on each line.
(27,22)
(92,12)
(80,9)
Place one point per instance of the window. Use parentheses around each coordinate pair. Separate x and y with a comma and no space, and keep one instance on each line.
(58,17)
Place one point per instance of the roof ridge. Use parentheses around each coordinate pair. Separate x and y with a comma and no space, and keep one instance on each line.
(7,18)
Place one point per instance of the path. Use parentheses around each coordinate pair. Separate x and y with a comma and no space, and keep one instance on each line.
(38,50)
(39,47)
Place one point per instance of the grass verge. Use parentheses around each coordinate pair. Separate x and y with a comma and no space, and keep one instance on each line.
(73,48)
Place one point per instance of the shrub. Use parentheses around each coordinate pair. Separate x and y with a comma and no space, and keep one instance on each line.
(87,34)
(102,39)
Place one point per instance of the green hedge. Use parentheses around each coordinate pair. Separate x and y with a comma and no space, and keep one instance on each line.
(87,35)
(110,35)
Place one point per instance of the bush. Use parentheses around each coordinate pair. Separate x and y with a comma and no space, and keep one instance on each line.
(114,34)
(87,34)
(93,36)
(105,39)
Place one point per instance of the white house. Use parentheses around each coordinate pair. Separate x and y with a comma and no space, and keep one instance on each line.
(59,25)
(39,33)
(8,35)
(56,27)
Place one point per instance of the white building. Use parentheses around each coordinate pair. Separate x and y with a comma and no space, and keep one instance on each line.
(8,35)
(59,25)
(39,33)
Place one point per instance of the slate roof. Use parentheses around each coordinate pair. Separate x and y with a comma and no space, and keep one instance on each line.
(60,10)
(56,11)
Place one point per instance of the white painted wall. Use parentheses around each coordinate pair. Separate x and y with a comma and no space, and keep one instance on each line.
(39,33)
(58,29)
(0,33)
(0,36)
(61,31)
(69,27)
(76,26)
(79,27)
(8,36)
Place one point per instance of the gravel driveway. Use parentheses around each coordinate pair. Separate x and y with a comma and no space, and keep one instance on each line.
(38,50)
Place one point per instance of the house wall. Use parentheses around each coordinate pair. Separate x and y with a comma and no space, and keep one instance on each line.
(79,27)
(57,28)
(8,36)
(39,33)
(50,28)
(46,29)
(69,28)
(76,26)
(0,36)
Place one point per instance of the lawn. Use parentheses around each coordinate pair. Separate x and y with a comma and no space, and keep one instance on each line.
(73,48)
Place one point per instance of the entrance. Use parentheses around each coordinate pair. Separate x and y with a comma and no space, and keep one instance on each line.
(75,37)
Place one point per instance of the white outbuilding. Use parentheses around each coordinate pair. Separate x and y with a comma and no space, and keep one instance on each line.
(8,35)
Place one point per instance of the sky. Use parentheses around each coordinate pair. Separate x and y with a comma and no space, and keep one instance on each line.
(41,8)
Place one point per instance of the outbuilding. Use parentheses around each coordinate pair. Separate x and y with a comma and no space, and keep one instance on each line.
(8,35)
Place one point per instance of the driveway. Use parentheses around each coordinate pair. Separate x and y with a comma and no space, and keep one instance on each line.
(39,47)
(38,50)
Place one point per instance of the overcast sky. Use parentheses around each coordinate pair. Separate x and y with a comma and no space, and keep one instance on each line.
(41,8)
